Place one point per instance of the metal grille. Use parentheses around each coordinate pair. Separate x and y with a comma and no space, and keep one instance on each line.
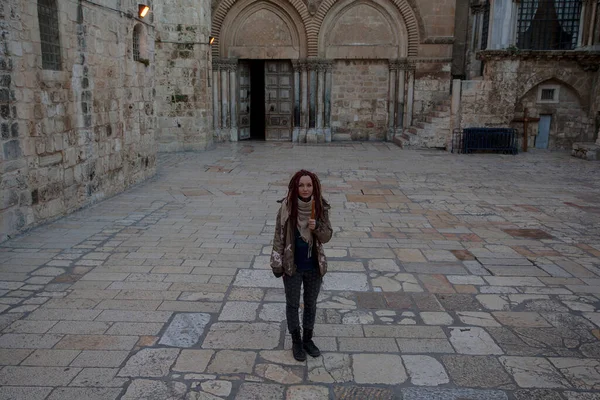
(547,94)
(49,34)
(486,25)
(136,43)
(548,24)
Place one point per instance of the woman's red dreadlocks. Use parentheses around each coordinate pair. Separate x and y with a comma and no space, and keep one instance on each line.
(292,197)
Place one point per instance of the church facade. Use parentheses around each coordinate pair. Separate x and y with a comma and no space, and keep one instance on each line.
(91,90)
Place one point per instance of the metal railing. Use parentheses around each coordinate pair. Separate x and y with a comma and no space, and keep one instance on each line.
(469,140)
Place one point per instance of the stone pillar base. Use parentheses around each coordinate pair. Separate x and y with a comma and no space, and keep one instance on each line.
(295,135)
(327,132)
(390,134)
(233,134)
(302,136)
(311,136)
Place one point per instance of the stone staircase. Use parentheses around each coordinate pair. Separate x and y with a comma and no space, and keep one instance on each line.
(431,129)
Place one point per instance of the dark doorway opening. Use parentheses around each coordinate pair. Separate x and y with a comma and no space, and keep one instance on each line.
(257,100)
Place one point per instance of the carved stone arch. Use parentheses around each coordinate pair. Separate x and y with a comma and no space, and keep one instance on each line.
(295,12)
(562,77)
(407,9)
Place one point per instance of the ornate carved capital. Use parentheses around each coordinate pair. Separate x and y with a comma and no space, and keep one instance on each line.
(228,64)
(299,65)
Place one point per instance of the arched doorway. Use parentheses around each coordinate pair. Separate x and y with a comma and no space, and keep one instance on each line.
(256,43)
(279,68)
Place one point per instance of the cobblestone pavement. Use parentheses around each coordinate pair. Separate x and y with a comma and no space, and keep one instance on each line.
(451,277)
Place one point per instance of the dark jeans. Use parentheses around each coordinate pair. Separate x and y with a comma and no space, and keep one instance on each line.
(312,285)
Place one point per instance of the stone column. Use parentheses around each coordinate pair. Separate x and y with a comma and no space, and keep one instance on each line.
(327,100)
(233,100)
(401,99)
(311,135)
(215,92)
(320,101)
(304,104)
(224,97)
(393,67)
(296,130)
(408,118)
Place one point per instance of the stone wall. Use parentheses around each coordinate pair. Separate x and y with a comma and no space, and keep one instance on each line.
(495,100)
(82,133)
(432,85)
(570,122)
(183,86)
(359,99)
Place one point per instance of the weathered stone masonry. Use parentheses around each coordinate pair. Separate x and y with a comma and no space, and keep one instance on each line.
(81,133)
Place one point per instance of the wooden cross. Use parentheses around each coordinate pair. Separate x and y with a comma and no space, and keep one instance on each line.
(525,120)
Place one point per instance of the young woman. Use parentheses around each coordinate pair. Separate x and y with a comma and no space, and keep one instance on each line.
(301,228)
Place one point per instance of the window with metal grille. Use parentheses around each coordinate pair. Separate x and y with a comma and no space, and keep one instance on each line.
(137,32)
(49,34)
(486,25)
(548,93)
(548,24)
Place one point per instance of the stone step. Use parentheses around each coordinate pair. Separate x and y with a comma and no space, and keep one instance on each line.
(341,137)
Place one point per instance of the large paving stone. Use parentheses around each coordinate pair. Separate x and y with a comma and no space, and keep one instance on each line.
(193,360)
(477,372)
(28,393)
(272,312)
(378,369)
(307,392)
(330,368)
(262,391)
(232,362)
(185,330)
(233,335)
(533,372)
(521,319)
(425,371)
(239,311)
(452,394)
(85,393)
(582,373)
(257,278)
(279,374)
(37,376)
(362,393)
(150,363)
(28,341)
(155,390)
(345,281)
(474,341)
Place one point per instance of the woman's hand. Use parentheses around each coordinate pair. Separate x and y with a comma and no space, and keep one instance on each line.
(312,224)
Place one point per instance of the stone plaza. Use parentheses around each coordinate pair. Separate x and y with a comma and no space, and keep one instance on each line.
(450,277)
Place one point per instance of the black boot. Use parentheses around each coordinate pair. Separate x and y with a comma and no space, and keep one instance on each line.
(309,345)
(297,347)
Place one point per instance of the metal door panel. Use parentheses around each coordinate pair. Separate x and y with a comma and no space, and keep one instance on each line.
(543,135)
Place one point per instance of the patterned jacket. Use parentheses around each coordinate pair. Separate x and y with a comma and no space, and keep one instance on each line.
(282,256)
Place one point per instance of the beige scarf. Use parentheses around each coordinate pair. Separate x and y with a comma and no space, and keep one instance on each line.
(304,211)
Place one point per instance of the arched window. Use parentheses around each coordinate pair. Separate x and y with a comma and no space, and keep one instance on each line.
(137,40)
(49,34)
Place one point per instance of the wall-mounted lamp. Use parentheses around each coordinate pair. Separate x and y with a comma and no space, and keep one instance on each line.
(211,40)
(143,10)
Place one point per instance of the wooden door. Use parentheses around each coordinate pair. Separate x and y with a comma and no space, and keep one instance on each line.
(278,100)
(244,100)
